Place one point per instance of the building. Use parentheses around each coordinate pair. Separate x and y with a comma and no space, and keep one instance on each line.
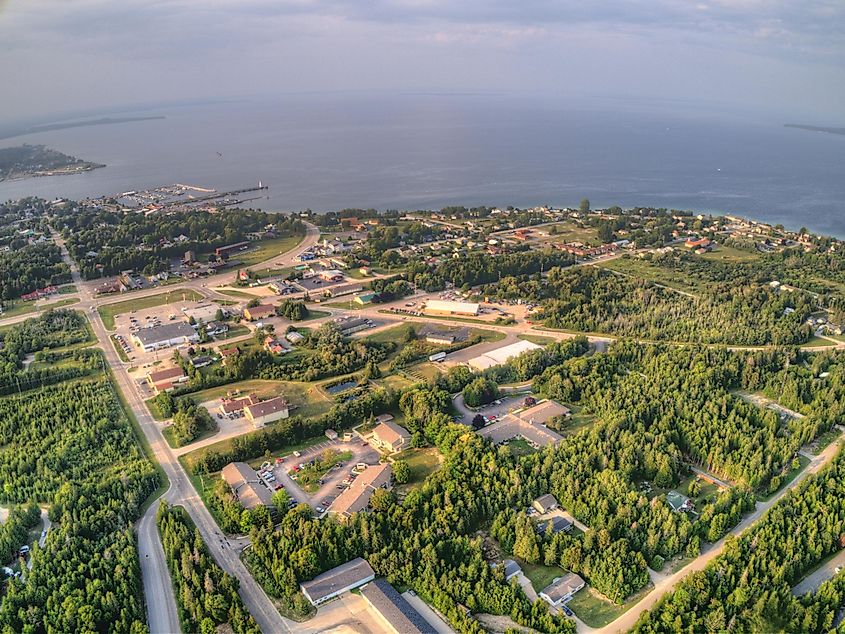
(679,503)
(246,486)
(214,328)
(365,298)
(350,325)
(441,307)
(444,336)
(202,360)
(232,405)
(542,412)
(511,568)
(509,426)
(203,314)
(166,380)
(331,275)
(229,249)
(562,589)
(266,412)
(262,311)
(555,525)
(398,616)
(502,355)
(228,353)
(110,286)
(356,498)
(336,581)
(390,437)
(545,503)
(294,337)
(165,335)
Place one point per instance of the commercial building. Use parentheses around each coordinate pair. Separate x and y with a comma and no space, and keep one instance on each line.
(166,380)
(441,307)
(350,325)
(232,405)
(390,437)
(266,412)
(336,581)
(229,249)
(509,426)
(562,589)
(246,486)
(365,298)
(543,412)
(262,311)
(444,336)
(204,314)
(357,497)
(165,335)
(398,616)
(502,355)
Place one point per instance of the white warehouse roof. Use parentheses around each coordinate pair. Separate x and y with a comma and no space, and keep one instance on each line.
(464,308)
(502,355)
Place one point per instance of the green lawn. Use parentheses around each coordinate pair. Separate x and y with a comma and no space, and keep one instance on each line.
(819,342)
(263,250)
(644,269)
(235,330)
(423,462)
(348,305)
(597,611)
(307,400)
(540,576)
(23,308)
(170,436)
(539,340)
(109,311)
(239,294)
(520,447)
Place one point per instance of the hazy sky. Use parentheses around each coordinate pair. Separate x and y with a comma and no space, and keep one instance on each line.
(784,56)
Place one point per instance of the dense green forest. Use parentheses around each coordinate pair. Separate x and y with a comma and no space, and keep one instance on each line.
(747,588)
(70,446)
(206,596)
(591,299)
(140,242)
(30,267)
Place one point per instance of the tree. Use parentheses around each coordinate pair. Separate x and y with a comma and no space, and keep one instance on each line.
(584,207)
(401,472)
(478,421)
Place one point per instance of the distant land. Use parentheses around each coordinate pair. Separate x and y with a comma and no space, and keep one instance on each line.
(29,161)
(815,128)
(47,127)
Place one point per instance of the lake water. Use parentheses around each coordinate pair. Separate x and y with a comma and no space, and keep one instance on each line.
(427,151)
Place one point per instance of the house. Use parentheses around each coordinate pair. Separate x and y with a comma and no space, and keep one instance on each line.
(246,486)
(365,298)
(336,581)
(390,437)
(356,498)
(266,412)
(215,328)
(262,311)
(110,286)
(331,275)
(511,568)
(697,243)
(232,405)
(164,336)
(502,355)
(679,503)
(276,346)
(200,361)
(294,337)
(365,270)
(542,412)
(397,615)
(166,380)
(441,307)
(545,503)
(562,589)
(228,353)
(555,525)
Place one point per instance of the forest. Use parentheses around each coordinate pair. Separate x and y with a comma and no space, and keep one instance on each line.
(146,243)
(206,596)
(70,446)
(747,588)
(30,267)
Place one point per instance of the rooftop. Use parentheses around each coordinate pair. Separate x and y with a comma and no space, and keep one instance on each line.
(357,497)
(352,572)
(563,586)
(502,355)
(400,614)
(267,407)
(164,332)
(166,375)
(543,412)
(390,432)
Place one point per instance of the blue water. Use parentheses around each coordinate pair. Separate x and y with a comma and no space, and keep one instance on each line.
(426,151)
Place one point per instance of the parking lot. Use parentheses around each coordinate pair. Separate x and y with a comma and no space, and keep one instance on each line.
(328,491)
(127,323)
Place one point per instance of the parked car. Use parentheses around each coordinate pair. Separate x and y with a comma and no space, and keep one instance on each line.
(297,454)
(567,611)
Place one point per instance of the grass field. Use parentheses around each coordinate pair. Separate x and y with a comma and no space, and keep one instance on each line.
(568,231)
(265,250)
(423,462)
(597,611)
(239,294)
(643,269)
(539,576)
(24,308)
(538,339)
(306,399)
(109,311)
(520,447)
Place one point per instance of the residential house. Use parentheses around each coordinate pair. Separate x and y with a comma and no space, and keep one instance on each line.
(545,503)
(390,437)
(562,589)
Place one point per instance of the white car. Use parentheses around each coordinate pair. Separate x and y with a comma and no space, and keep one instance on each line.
(297,454)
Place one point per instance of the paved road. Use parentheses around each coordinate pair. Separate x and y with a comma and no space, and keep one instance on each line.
(811,582)
(667,584)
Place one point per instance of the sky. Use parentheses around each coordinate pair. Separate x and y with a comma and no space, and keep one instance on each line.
(775,56)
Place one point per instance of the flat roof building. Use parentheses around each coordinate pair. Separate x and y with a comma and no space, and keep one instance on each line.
(543,412)
(502,355)
(399,616)
(442,307)
(262,311)
(336,581)
(165,335)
